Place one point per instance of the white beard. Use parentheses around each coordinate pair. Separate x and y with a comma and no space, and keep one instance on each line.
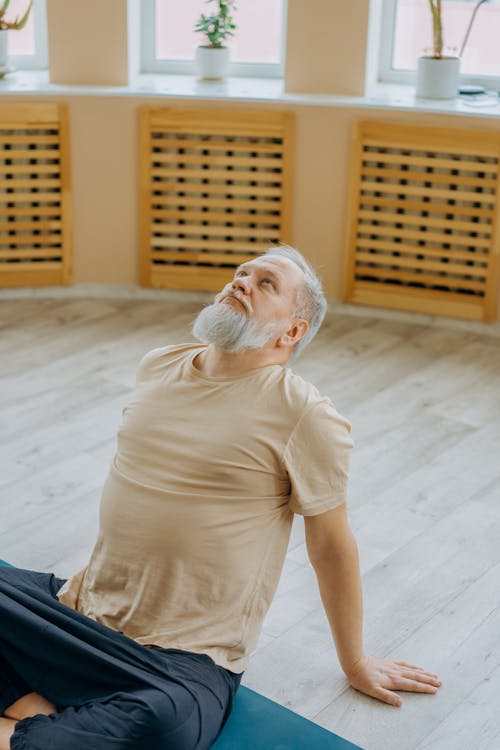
(231,330)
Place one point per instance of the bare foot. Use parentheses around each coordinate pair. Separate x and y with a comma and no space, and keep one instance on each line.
(29,705)
(7,727)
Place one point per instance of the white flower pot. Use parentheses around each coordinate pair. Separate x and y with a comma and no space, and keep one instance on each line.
(3,48)
(438,78)
(212,62)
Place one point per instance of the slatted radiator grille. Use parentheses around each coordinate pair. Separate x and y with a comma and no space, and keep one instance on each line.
(423,225)
(34,196)
(215,192)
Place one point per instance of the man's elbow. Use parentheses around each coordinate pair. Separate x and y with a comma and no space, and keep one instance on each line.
(334,553)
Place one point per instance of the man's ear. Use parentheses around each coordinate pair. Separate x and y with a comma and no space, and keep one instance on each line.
(295,333)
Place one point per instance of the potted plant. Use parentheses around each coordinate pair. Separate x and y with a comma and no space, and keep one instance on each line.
(438,74)
(212,59)
(6,26)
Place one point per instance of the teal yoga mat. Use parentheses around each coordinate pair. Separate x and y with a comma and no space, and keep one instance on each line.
(257,723)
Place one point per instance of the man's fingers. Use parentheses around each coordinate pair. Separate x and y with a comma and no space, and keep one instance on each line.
(414,666)
(420,677)
(405,664)
(388,697)
(412,686)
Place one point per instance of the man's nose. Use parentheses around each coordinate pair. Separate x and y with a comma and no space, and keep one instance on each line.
(242,284)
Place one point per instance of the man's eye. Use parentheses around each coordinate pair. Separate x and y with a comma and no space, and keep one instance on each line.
(269,281)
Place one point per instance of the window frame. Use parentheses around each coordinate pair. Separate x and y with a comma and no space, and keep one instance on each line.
(40,60)
(388,74)
(150,64)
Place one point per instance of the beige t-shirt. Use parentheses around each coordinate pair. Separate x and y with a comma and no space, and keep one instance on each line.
(198,505)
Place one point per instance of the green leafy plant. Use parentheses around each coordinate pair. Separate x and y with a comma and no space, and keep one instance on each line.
(18,23)
(218,26)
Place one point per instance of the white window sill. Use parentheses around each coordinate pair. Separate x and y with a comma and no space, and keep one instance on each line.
(402,96)
(384,96)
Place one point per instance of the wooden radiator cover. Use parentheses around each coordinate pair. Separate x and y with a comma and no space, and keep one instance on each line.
(423,220)
(214,192)
(35,199)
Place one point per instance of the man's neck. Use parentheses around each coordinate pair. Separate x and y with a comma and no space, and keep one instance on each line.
(216,362)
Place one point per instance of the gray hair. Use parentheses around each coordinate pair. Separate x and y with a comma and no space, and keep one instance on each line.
(310,302)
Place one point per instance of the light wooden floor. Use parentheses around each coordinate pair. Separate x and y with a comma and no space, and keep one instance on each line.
(424,401)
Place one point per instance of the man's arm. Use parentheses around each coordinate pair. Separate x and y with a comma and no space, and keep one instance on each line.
(333,553)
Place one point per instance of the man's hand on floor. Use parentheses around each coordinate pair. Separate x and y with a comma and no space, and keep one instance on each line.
(379,677)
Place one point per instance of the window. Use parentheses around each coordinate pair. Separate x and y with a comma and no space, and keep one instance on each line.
(407,34)
(168,39)
(28,47)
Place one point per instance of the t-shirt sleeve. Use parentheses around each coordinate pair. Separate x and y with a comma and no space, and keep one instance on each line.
(317,459)
(145,364)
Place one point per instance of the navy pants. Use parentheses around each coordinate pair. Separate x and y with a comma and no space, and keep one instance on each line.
(110,692)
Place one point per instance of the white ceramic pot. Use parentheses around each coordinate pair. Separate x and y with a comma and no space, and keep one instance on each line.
(3,48)
(438,78)
(212,62)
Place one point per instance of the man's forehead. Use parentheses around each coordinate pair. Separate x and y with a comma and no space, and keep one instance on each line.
(280,266)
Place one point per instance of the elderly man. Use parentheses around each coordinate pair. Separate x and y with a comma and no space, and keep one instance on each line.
(221,443)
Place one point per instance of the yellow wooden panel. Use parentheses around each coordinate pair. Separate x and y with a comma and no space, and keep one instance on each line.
(53,253)
(30,240)
(436,178)
(32,124)
(217,189)
(491,309)
(432,252)
(22,154)
(432,208)
(29,197)
(30,115)
(190,277)
(441,140)
(214,173)
(236,204)
(422,235)
(418,232)
(186,256)
(29,211)
(410,262)
(402,247)
(443,303)
(194,230)
(217,161)
(430,279)
(29,185)
(231,123)
(37,274)
(428,192)
(201,244)
(215,217)
(31,169)
(436,162)
(441,223)
(26,226)
(213,143)
(145,198)
(22,139)
(201,170)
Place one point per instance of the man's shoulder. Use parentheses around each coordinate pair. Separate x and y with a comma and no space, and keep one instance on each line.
(306,398)
(298,384)
(161,355)
(299,392)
